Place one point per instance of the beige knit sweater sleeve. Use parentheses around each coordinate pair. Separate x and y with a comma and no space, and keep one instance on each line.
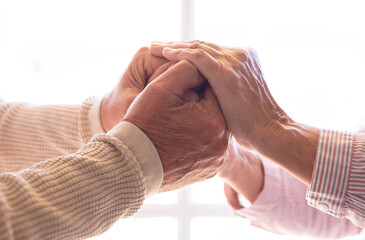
(56,183)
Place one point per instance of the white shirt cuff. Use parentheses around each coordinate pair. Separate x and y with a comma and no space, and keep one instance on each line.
(144,150)
(94,117)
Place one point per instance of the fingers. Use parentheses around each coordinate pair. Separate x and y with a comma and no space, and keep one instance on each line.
(180,78)
(152,63)
(141,68)
(206,64)
(210,102)
(189,44)
(148,61)
(157,48)
(159,71)
(232,197)
(198,42)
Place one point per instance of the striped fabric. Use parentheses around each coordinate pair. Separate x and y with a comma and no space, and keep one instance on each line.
(338,181)
(282,208)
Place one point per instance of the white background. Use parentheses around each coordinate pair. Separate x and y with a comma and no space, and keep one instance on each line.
(312,53)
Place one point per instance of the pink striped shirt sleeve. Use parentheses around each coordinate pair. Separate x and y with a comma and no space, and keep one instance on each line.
(338,181)
(282,208)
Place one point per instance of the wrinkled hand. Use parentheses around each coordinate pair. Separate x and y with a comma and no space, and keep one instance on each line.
(236,78)
(143,68)
(190,137)
(242,171)
(251,113)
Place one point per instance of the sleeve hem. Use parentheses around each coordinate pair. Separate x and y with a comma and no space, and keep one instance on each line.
(83,121)
(331,172)
(145,152)
(94,117)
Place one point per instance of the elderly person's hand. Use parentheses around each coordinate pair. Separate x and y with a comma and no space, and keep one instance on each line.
(237,80)
(251,113)
(190,137)
(143,68)
(242,172)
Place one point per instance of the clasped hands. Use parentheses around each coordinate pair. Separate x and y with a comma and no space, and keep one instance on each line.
(190,98)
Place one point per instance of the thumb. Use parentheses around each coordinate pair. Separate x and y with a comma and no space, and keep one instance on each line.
(180,78)
(161,69)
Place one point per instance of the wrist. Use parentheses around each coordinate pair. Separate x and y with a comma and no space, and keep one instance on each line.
(246,175)
(144,152)
(291,145)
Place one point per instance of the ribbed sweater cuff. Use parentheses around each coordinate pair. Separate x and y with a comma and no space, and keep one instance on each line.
(94,117)
(144,150)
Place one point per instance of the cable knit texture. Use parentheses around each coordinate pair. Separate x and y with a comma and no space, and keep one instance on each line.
(95,182)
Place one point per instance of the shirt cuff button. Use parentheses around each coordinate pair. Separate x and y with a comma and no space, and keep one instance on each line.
(323,207)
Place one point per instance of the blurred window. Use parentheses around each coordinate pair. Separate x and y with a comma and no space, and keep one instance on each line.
(312,53)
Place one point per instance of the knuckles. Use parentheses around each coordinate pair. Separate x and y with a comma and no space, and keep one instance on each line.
(139,57)
(143,50)
(195,44)
(242,54)
(199,53)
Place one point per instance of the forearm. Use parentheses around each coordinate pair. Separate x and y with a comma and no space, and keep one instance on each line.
(30,134)
(330,162)
(82,194)
(292,146)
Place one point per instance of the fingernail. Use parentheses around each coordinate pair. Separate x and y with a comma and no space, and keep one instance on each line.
(168,50)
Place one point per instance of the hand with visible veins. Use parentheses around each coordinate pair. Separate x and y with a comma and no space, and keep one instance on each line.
(190,137)
(252,114)
(142,70)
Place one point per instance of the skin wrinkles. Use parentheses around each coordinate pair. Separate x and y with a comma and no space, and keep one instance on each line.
(171,102)
(191,138)
(252,115)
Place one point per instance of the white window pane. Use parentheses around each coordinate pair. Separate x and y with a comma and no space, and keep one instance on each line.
(253,21)
(208,192)
(162,228)
(232,228)
(235,228)
(212,228)
(65,51)
(163,198)
(311,52)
